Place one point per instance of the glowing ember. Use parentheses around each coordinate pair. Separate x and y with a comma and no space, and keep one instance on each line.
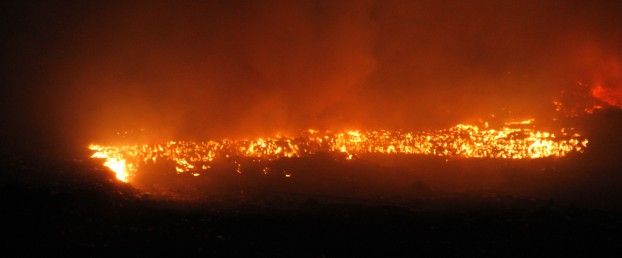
(460,141)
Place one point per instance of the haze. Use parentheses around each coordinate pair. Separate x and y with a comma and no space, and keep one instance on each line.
(79,72)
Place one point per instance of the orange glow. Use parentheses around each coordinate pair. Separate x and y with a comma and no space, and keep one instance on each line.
(114,160)
(460,141)
(610,96)
(523,122)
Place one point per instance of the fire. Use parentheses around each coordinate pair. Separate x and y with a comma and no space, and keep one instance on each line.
(460,141)
(523,122)
(114,160)
(611,96)
(588,98)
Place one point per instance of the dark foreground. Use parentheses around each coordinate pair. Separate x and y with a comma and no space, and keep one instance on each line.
(90,212)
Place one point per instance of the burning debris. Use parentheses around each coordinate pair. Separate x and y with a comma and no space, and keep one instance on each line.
(516,140)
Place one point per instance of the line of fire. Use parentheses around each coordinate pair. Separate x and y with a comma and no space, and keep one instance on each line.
(461,141)
(311,128)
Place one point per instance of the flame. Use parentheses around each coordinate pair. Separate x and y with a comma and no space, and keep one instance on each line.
(523,122)
(611,96)
(460,141)
(588,98)
(114,160)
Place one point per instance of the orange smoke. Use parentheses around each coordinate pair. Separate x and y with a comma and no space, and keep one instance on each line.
(611,96)
(600,68)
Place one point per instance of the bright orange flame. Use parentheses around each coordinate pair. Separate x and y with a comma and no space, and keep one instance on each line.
(460,141)
(113,160)
(523,122)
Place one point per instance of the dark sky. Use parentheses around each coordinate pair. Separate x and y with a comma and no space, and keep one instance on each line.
(74,72)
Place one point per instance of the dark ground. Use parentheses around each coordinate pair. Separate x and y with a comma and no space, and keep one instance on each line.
(97,215)
(52,206)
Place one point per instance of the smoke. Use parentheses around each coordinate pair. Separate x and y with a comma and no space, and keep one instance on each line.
(604,73)
(240,68)
(227,68)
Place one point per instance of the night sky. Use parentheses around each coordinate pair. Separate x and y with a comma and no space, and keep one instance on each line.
(77,71)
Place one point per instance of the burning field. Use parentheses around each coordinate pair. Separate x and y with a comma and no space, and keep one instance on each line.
(461,141)
(313,127)
(516,185)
